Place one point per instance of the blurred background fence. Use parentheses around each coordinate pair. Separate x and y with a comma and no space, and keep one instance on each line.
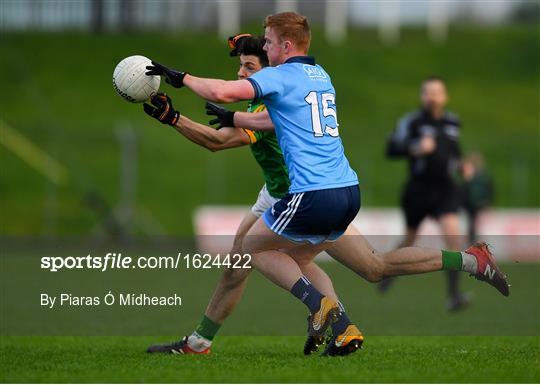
(76,159)
(227,16)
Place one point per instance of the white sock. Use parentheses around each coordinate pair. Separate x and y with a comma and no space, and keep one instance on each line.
(469,263)
(198,342)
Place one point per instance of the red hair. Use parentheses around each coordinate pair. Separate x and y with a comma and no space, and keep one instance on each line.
(290,26)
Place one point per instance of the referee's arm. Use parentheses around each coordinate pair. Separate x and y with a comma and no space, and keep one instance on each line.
(399,141)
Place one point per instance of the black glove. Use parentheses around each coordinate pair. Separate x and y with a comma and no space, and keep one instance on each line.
(164,111)
(224,117)
(174,78)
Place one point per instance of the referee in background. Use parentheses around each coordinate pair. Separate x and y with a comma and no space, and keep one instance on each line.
(429,139)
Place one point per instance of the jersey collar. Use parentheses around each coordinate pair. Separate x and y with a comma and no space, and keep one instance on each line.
(427,114)
(301,59)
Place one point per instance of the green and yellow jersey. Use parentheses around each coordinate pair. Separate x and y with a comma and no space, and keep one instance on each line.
(265,148)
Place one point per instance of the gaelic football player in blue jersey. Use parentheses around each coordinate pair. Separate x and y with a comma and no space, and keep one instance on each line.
(324,196)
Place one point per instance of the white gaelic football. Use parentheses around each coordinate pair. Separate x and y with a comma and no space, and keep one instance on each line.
(131,83)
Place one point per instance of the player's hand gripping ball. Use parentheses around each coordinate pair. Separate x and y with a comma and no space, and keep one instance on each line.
(173,77)
(131,82)
(163,109)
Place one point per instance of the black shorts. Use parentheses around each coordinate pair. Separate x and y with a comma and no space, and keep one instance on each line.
(420,200)
(314,216)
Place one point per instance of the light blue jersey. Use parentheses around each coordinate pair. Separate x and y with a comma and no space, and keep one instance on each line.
(300,99)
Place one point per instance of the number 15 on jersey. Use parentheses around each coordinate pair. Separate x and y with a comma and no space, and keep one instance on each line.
(318,119)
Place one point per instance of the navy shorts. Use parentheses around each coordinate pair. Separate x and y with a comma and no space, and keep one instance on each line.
(314,216)
(420,200)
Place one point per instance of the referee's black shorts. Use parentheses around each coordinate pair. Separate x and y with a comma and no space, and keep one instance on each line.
(420,199)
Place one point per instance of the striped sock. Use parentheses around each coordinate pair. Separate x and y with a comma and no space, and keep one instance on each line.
(343,321)
(456,260)
(306,292)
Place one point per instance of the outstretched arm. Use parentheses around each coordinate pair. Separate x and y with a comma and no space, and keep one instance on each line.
(216,90)
(163,110)
(221,91)
(258,121)
(210,138)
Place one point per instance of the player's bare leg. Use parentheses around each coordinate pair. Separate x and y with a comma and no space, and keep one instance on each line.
(408,241)
(266,247)
(320,279)
(354,251)
(227,295)
(232,282)
(284,270)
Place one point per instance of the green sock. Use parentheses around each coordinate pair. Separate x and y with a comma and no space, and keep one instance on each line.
(451,260)
(207,328)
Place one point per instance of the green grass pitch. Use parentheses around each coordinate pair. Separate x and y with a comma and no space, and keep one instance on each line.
(410,337)
(272,359)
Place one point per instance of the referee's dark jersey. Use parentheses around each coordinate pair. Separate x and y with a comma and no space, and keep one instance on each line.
(431,188)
